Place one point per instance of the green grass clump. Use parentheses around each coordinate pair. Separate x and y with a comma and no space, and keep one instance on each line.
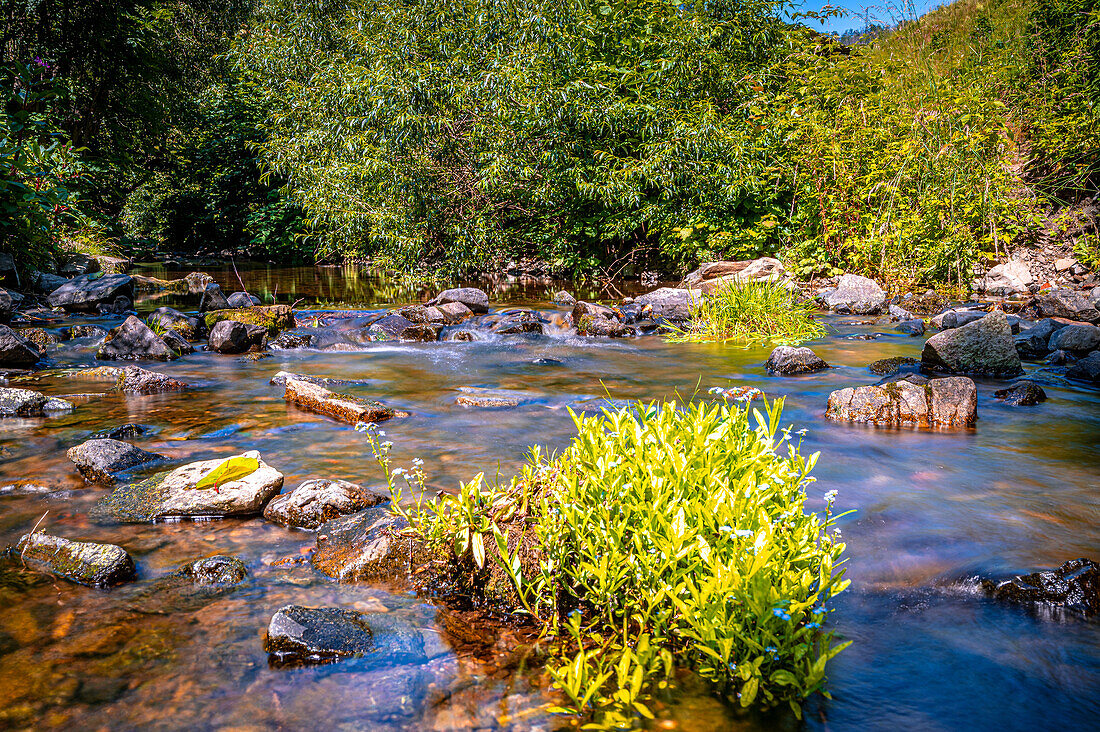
(663,537)
(752,312)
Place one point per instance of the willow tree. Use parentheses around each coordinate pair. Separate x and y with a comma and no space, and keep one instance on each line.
(457,129)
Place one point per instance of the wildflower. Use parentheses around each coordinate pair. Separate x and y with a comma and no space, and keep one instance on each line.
(771,649)
(830,496)
(417,462)
(743,533)
(733,667)
(398,471)
(837,532)
(820,610)
(716,390)
(801,431)
(724,528)
(781,613)
(386,445)
(813,625)
(381,433)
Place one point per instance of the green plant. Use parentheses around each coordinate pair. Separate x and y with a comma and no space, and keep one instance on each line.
(665,536)
(751,312)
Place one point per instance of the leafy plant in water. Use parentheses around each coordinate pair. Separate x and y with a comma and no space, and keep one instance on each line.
(751,312)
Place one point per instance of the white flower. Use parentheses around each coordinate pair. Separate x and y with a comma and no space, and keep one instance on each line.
(830,496)
(417,462)
(743,533)
(836,531)
(398,471)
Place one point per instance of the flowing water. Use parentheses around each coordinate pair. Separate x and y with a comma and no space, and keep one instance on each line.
(931,511)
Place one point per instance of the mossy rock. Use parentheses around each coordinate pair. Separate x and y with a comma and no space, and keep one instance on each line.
(273,317)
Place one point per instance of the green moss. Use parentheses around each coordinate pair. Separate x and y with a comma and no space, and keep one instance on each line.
(273,317)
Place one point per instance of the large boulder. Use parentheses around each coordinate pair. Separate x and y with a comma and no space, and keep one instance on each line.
(303,635)
(43,283)
(1086,369)
(173,494)
(229,336)
(84,562)
(21,402)
(102,460)
(187,326)
(365,546)
(213,299)
(10,300)
(1061,303)
(134,341)
(1073,586)
(788,360)
(1011,278)
(856,295)
(87,292)
(1077,339)
(673,303)
(471,297)
(913,401)
(17,351)
(341,407)
(982,348)
(1035,341)
(316,501)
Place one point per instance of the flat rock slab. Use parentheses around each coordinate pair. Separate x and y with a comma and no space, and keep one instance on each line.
(172,494)
(949,403)
(84,562)
(316,501)
(303,635)
(87,292)
(342,407)
(102,460)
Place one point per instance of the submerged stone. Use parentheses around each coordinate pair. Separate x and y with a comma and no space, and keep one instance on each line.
(1074,586)
(342,407)
(303,635)
(84,562)
(1022,394)
(219,570)
(891,366)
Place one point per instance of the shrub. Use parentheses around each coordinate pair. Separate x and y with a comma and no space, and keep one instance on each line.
(663,537)
(751,312)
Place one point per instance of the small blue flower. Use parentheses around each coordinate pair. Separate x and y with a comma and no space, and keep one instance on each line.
(771,649)
(781,613)
(820,610)
(813,625)
(733,667)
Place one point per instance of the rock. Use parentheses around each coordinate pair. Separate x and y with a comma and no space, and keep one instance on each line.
(280,379)
(671,302)
(857,295)
(392,326)
(242,300)
(290,341)
(891,366)
(454,312)
(298,635)
(186,326)
(87,331)
(44,283)
(1074,586)
(1011,278)
(341,407)
(712,275)
(1034,342)
(1094,297)
(564,298)
(101,460)
(197,282)
(10,300)
(1022,394)
(79,264)
(519,322)
(914,327)
(40,337)
(788,360)
(133,341)
(938,403)
(229,336)
(112,265)
(177,343)
(365,546)
(87,563)
(316,501)
(218,570)
(958,318)
(126,431)
(592,325)
(1060,358)
(87,292)
(21,403)
(1064,265)
(173,494)
(1061,303)
(982,348)
(136,380)
(489,402)
(1077,339)
(213,299)
(1086,369)
(17,351)
(473,298)
(275,318)
(56,405)
(897,313)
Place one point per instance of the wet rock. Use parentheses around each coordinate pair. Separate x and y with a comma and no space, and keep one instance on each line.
(593,325)
(78,264)
(982,348)
(299,634)
(316,501)
(898,313)
(173,494)
(712,275)
(564,298)
(672,303)
(1086,369)
(87,292)
(219,570)
(1074,586)
(176,342)
(40,337)
(454,312)
(87,331)
(17,351)
(87,563)
(186,326)
(485,401)
(937,403)
(280,378)
(1011,278)
(274,318)
(21,403)
(242,300)
(43,283)
(55,405)
(582,308)
(473,298)
(136,380)
(213,299)
(788,360)
(197,282)
(341,407)
(1061,303)
(1022,394)
(857,295)
(1077,339)
(891,366)
(365,546)
(464,336)
(519,322)
(126,431)
(390,326)
(290,341)
(958,318)
(10,300)
(913,327)
(102,460)
(229,336)
(133,341)
(1060,358)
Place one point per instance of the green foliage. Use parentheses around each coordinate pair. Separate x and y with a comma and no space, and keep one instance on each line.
(751,312)
(664,537)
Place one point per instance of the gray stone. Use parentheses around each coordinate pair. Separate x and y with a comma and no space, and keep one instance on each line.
(134,341)
(21,403)
(788,360)
(102,460)
(1076,339)
(898,313)
(471,297)
(937,403)
(518,322)
(673,303)
(87,292)
(366,545)
(316,501)
(168,319)
(17,351)
(914,327)
(454,312)
(1011,278)
(79,264)
(301,635)
(213,299)
(712,275)
(1086,369)
(982,348)
(958,318)
(1061,303)
(230,336)
(218,570)
(897,364)
(87,563)
(564,298)
(242,300)
(856,295)
(43,283)
(136,380)
(10,300)
(1022,394)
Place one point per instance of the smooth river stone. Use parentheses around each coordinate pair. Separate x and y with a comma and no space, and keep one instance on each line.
(938,403)
(341,407)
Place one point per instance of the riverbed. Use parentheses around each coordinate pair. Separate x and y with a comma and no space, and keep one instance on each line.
(931,512)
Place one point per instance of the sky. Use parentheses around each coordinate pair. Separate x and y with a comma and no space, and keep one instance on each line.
(887,11)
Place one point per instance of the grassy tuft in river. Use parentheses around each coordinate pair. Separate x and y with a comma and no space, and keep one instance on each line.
(663,537)
(751,312)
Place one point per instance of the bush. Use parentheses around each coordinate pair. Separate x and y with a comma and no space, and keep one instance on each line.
(663,537)
(751,312)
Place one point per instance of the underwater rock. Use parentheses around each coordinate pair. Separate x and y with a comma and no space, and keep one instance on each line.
(891,366)
(982,348)
(342,407)
(914,327)
(912,401)
(84,562)
(302,635)
(1022,394)
(316,501)
(218,570)
(788,360)
(87,331)
(1074,586)
(101,460)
